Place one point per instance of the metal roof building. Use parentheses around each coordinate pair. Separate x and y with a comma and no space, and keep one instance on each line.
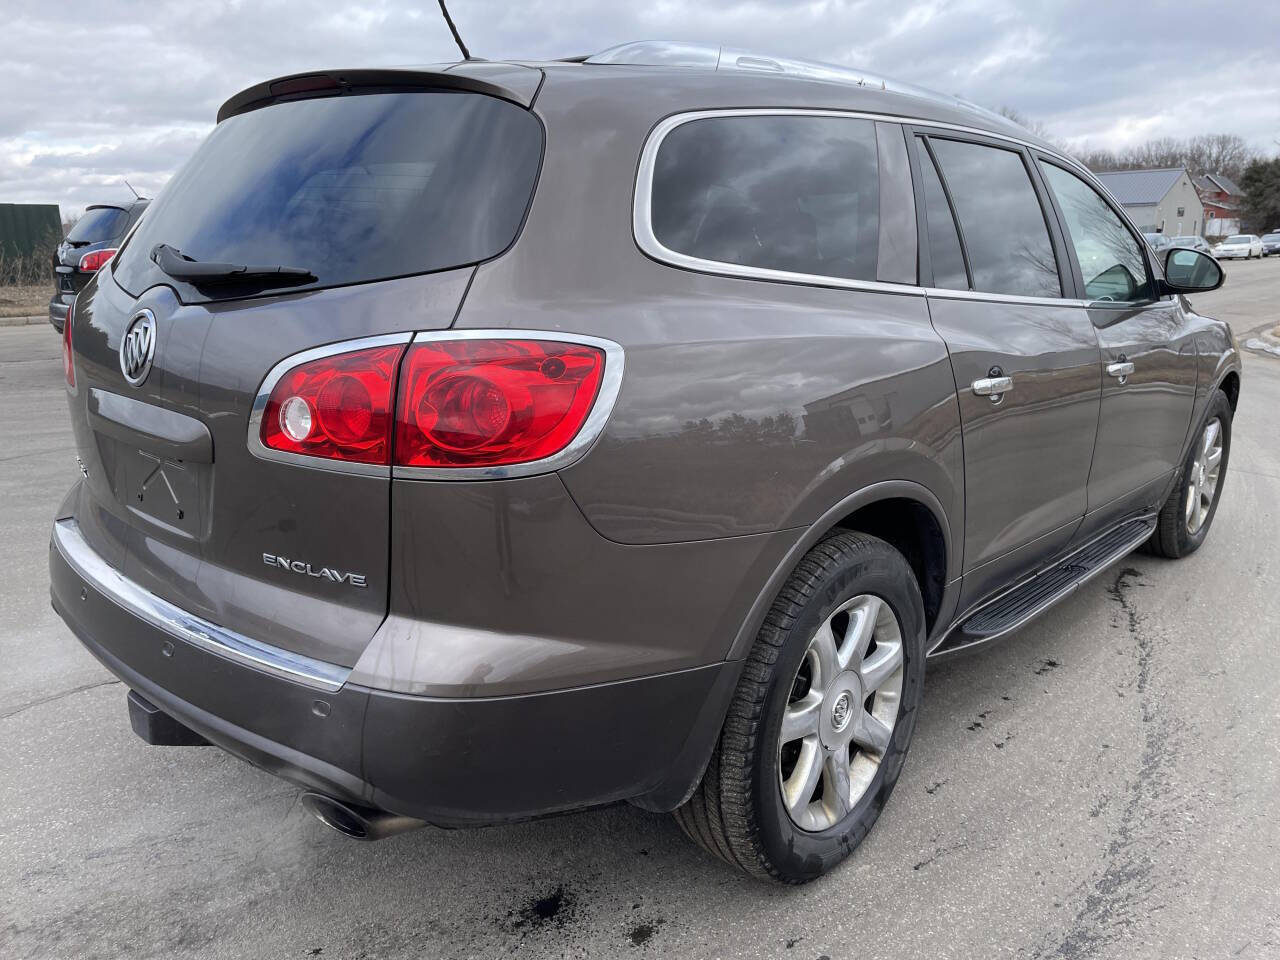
(1159,201)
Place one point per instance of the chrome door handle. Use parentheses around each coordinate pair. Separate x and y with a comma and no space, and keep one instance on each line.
(992,386)
(1121,370)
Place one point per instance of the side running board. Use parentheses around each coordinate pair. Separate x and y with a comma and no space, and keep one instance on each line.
(1032,597)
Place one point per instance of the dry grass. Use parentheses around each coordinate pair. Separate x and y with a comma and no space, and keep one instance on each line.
(25,300)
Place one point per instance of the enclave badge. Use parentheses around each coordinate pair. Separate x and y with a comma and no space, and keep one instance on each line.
(138,347)
(324,573)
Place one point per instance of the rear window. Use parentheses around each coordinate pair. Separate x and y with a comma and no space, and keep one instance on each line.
(793,193)
(1238,239)
(99,224)
(352,188)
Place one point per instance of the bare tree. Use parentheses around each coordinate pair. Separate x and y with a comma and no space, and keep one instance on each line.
(1022,120)
(1223,153)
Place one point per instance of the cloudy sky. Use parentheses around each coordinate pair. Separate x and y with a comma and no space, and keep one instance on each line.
(100,92)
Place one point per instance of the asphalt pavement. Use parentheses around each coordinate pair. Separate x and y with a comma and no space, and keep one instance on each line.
(1104,783)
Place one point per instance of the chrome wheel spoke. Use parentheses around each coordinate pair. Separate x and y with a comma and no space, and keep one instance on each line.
(835,786)
(872,733)
(862,627)
(799,787)
(881,665)
(800,719)
(1211,435)
(823,647)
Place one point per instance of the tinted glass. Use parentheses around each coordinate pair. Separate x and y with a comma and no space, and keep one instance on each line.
(1003,226)
(352,188)
(799,194)
(99,224)
(1272,237)
(944,242)
(1111,259)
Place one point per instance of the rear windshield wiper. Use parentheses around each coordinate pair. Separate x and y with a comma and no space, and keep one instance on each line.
(181,267)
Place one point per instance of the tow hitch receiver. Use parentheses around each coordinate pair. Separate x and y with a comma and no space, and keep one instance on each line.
(158,728)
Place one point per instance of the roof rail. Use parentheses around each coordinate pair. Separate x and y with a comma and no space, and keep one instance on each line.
(677,53)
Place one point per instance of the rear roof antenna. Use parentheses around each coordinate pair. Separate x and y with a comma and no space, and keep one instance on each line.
(466,54)
(136,194)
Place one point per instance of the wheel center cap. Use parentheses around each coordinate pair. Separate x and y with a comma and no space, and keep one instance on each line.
(842,712)
(844,700)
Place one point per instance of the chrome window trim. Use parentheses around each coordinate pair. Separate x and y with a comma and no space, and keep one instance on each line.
(263,452)
(642,208)
(610,385)
(647,241)
(944,293)
(181,625)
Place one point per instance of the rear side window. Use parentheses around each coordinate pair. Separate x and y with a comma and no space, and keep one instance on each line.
(1111,260)
(944,243)
(352,188)
(99,224)
(794,193)
(1003,228)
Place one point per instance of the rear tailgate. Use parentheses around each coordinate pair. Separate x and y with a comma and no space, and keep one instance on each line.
(387,200)
(176,499)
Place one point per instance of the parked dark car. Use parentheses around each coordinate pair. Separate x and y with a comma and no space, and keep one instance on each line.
(88,245)
(1270,244)
(504,440)
(1192,243)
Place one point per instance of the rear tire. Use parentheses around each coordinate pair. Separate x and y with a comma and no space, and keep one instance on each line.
(840,657)
(1188,513)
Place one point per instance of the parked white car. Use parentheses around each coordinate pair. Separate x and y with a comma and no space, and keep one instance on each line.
(1245,245)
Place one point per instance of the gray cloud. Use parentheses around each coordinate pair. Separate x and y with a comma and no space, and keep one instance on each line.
(99,92)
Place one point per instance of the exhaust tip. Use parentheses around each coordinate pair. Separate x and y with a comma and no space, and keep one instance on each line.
(337,815)
(358,823)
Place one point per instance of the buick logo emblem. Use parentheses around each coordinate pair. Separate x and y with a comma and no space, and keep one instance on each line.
(138,347)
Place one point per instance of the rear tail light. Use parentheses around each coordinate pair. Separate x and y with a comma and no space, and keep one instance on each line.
(450,401)
(491,403)
(92,262)
(68,361)
(337,407)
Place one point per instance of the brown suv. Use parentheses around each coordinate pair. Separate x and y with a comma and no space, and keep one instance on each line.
(508,438)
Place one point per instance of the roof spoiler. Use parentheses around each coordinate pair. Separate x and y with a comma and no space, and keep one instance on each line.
(507,81)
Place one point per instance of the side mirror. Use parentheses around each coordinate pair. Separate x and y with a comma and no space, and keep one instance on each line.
(1190,271)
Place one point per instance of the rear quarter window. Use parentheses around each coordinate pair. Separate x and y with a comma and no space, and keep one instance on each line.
(353,188)
(798,194)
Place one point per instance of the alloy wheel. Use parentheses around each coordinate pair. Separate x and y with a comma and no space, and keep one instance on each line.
(839,718)
(1202,484)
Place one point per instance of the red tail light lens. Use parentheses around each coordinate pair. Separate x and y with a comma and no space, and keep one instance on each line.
(92,262)
(337,407)
(68,362)
(486,403)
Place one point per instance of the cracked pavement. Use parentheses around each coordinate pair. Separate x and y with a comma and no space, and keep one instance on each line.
(1104,783)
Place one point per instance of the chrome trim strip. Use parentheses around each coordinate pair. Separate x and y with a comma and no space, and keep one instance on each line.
(256,446)
(180,624)
(1119,554)
(647,241)
(610,385)
(641,210)
(939,293)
